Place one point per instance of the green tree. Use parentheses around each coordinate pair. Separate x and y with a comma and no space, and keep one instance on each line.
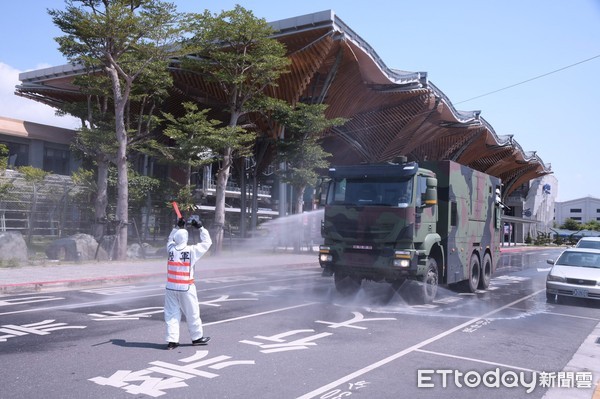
(124,39)
(571,224)
(235,52)
(3,157)
(96,142)
(35,176)
(301,151)
(194,137)
(85,189)
(5,188)
(592,225)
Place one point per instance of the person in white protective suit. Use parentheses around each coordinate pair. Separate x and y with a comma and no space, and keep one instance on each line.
(180,294)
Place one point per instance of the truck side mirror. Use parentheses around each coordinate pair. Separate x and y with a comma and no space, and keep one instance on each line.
(321,192)
(431,192)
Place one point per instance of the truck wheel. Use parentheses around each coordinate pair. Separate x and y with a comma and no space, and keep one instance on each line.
(345,284)
(474,274)
(429,285)
(486,272)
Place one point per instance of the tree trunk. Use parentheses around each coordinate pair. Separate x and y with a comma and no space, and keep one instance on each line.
(188,175)
(122,195)
(222,177)
(254,217)
(120,98)
(101,201)
(243,200)
(299,191)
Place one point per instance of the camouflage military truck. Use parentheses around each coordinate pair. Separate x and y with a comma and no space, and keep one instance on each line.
(412,225)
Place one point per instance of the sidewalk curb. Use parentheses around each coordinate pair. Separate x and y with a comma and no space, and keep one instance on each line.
(54,285)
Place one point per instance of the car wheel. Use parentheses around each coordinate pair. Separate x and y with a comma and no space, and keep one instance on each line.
(486,272)
(474,273)
(429,285)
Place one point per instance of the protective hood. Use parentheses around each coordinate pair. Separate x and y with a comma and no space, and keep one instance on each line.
(180,238)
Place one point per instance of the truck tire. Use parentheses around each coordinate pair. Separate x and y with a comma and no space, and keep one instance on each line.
(429,285)
(345,284)
(486,272)
(474,274)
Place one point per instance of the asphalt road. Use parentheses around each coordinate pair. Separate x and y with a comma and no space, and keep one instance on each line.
(290,335)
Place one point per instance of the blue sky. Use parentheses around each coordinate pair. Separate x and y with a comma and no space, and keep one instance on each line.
(467,47)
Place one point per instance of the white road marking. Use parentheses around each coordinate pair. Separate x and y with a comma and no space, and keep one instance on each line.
(383,362)
(477,360)
(259,314)
(572,315)
(128,298)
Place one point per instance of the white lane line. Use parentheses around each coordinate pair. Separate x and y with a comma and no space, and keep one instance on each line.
(477,360)
(124,297)
(248,316)
(383,362)
(572,315)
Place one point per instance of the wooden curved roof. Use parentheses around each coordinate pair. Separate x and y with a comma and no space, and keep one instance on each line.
(390,112)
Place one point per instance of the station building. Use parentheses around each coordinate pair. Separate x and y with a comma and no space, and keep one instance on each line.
(582,210)
(391,112)
(41,146)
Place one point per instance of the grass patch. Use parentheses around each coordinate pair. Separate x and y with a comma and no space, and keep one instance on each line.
(9,263)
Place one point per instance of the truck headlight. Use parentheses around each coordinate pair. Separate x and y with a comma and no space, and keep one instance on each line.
(401,262)
(325,258)
(402,258)
(325,254)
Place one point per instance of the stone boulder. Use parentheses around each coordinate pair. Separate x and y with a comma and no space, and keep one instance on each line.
(137,251)
(108,244)
(78,247)
(13,246)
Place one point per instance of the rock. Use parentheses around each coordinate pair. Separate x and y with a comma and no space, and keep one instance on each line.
(108,245)
(13,246)
(78,247)
(134,251)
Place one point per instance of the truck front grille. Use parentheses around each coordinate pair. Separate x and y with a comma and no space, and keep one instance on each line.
(375,232)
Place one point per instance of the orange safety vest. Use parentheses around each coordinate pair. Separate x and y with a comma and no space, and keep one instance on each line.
(179,270)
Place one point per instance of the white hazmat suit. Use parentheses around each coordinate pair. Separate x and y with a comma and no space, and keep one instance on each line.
(180,292)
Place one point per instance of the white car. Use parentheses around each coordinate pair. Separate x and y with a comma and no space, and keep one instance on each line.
(575,273)
(588,242)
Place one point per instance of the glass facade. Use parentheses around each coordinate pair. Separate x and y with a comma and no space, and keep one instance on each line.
(56,161)
(18,154)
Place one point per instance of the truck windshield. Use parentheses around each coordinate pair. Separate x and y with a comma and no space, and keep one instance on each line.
(381,192)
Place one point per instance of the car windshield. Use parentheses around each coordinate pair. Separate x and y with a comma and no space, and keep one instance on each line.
(582,259)
(588,244)
(383,191)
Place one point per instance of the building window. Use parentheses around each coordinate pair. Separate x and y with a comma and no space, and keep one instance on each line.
(575,210)
(576,218)
(56,161)
(597,210)
(18,154)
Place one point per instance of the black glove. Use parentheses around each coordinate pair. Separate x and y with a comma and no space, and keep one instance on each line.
(197,223)
(181,223)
